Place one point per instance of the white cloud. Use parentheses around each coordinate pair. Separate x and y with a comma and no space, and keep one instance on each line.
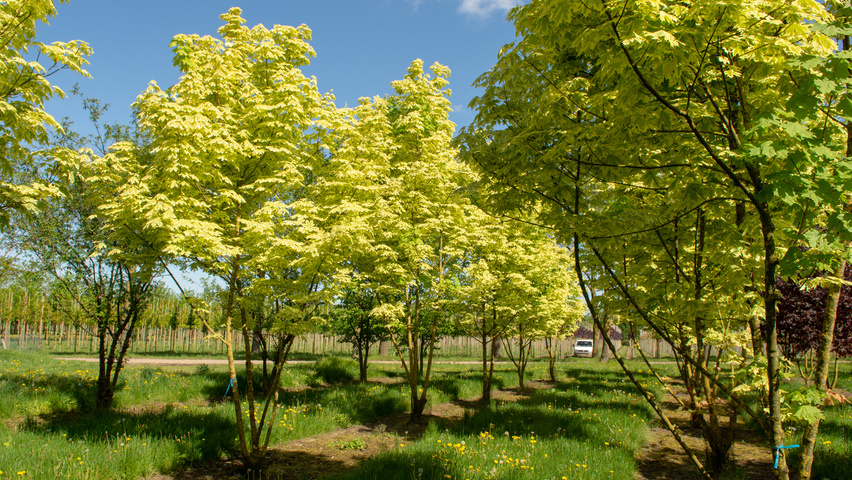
(482,8)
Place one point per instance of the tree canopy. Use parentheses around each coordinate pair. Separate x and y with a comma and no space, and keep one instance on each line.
(24,89)
(673,142)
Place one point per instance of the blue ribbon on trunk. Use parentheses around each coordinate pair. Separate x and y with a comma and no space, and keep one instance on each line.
(778,450)
(234,380)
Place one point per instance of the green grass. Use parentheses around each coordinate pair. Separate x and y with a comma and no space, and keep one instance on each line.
(587,428)
(167,419)
(32,384)
(833,452)
(115,445)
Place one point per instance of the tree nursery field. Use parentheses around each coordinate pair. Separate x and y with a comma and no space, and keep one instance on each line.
(671,175)
(172,422)
(167,420)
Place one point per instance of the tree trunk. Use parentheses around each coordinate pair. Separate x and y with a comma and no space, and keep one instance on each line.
(773,355)
(498,347)
(597,338)
(41,323)
(605,353)
(551,358)
(521,372)
(363,355)
(630,341)
(486,380)
(105,394)
(257,340)
(8,324)
(523,356)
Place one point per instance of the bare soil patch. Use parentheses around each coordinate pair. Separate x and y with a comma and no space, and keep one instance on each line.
(663,458)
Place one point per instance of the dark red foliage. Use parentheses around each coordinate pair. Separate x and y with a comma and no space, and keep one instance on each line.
(800,318)
(615,334)
(583,332)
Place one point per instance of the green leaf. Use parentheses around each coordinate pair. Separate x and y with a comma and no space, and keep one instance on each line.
(808,414)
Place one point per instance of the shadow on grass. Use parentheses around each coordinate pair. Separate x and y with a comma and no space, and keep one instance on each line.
(220,385)
(376,407)
(554,411)
(82,390)
(295,465)
(198,437)
(453,385)
(450,386)
(528,417)
(831,464)
(668,463)
(277,465)
(592,382)
(357,401)
(392,373)
(400,465)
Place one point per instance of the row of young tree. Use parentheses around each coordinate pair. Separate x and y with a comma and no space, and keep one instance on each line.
(244,171)
(692,153)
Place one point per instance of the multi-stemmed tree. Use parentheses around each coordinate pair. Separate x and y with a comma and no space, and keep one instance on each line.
(517,288)
(545,298)
(419,218)
(235,149)
(480,298)
(352,322)
(108,275)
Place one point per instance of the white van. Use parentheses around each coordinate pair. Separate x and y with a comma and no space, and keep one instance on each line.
(583,348)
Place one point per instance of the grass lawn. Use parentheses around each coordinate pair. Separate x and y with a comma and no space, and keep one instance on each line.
(588,425)
(165,418)
(170,418)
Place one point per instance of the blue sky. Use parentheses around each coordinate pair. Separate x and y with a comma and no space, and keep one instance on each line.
(361,45)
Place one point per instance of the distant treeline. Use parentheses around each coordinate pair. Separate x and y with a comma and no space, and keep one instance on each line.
(35,320)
